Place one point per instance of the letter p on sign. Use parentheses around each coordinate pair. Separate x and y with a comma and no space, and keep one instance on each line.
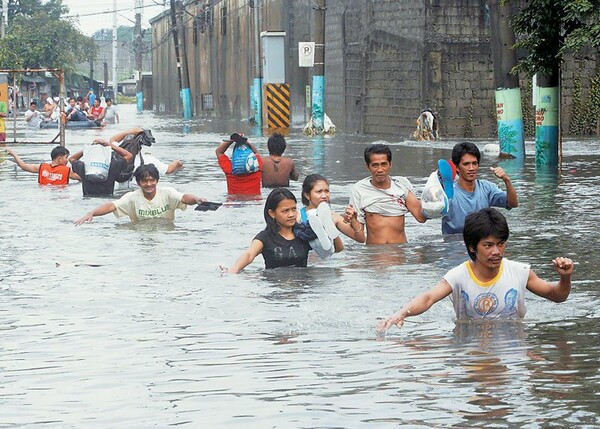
(306,54)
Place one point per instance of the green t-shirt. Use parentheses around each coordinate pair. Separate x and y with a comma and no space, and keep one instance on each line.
(4,110)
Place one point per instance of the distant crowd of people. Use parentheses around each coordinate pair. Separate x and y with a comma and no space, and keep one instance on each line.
(486,286)
(101,111)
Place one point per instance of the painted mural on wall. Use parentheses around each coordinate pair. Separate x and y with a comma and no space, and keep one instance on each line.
(546,126)
(510,122)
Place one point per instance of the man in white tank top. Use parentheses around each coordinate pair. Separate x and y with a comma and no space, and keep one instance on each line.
(488,286)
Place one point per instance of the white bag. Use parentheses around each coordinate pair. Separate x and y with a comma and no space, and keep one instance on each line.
(97,162)
(433,199)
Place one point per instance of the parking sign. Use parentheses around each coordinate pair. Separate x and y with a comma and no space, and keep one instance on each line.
(306,54)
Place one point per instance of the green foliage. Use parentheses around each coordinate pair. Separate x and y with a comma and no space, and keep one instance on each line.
(547,29)
(468,130)
(527,109)
(577,120)
(37,37)
(507,136)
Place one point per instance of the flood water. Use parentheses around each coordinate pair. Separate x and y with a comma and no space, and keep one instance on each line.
(115,325)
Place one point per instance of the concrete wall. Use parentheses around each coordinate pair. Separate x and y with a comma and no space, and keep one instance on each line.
(385,60)
(221,57)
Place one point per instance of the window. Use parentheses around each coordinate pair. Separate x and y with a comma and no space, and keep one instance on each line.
(207,102)
(224,20)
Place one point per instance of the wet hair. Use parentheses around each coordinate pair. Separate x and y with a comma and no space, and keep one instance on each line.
(33,103)
(484,223)
(108,99)
(276,144)
(59,151)
(377,148)
(144,171)
(276,196)
(463,148)
(309,184)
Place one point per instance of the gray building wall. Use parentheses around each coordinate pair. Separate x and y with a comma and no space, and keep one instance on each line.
(385,60)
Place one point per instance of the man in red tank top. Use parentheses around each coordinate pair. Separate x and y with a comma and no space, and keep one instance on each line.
(57,172)
(96,110)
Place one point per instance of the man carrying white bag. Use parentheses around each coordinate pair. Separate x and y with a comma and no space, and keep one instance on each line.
(97,166)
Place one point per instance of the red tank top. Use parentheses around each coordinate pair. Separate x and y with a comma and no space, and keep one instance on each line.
(53,174)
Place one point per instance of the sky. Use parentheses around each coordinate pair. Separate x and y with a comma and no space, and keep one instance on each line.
(97,14)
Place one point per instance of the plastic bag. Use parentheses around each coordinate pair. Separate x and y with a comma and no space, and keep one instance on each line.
(243,160)
(433,199)
(97,162)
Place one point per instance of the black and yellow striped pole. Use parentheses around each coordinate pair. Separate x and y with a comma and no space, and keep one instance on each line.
(277,111)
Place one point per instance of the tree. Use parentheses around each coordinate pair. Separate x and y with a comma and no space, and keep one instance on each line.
(548,29)
(37,36)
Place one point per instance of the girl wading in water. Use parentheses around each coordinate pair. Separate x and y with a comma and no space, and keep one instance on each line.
(277,242)
(319,225)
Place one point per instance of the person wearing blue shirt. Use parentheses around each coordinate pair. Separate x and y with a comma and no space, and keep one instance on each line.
(91,97)
(472,194)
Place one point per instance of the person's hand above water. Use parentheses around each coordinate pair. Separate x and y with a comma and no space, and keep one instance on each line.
(103,142)
(190,199)
(175,166)
(87,218)
(349,213)
(397,319)
(499,173)
(563,266)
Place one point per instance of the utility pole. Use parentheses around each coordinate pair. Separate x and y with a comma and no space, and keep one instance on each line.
(257,85)
(62,97)
(114,53)
(91,81)
(139,94)
(318,80)
(509,112)
(182,69)
(4,17)
(547,110)
(105,70)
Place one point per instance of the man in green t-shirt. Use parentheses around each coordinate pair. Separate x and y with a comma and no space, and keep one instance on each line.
(3,113)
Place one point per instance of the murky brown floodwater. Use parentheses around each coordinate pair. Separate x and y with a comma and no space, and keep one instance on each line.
(156,336)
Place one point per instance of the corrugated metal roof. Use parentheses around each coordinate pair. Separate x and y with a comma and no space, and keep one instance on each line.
(33,78)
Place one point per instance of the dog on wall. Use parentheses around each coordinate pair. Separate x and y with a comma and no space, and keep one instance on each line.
(427,126)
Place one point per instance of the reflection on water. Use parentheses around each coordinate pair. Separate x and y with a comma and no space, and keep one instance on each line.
(114,324)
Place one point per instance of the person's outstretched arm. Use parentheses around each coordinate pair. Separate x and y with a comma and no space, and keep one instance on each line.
(76,156)
(31,168)
(417,305)
(350,226)
(105,208)
(557,292)
(120,136)
(114,146)
(174,166)
(190,199)
(247,257)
